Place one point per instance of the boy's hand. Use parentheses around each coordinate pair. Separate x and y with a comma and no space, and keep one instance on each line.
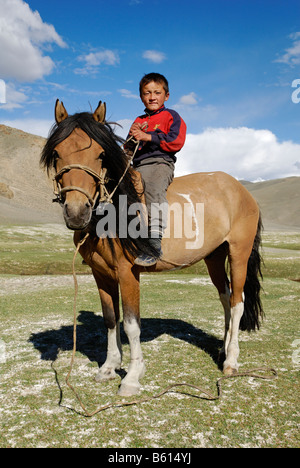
(137,132)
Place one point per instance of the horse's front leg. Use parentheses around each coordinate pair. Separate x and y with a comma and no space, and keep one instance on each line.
(130,291)
(109,295)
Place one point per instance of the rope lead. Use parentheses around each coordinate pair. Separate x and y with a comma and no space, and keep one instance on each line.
(208,395)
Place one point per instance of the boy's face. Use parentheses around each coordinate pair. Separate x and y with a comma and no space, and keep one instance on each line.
(154,96)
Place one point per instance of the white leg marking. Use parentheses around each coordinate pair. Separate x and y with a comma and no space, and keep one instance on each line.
(232,345)
(130,384)
(225,300)
(114,355)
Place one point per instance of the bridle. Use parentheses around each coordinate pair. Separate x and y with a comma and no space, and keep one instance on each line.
(101,180)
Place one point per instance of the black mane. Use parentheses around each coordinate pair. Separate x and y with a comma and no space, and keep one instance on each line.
(101,133)
(114,160)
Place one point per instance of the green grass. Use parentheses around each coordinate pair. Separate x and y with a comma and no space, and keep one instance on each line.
(48,250)
(282,240)
(182,328)
(37,250)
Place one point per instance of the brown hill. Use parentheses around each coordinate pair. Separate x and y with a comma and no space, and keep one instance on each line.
(26,192)
(279,201)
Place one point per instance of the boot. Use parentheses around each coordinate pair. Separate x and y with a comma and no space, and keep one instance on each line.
(147,260)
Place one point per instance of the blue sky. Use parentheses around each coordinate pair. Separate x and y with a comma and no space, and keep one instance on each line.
(230,64)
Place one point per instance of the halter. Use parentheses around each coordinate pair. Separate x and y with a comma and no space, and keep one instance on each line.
(101,179)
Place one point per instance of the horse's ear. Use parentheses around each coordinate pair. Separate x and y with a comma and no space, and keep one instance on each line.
(60,112)
(100,112)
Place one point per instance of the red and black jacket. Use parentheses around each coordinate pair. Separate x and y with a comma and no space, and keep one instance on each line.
(168,132)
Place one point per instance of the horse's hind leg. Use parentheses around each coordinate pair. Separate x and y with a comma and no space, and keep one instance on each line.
(239,253)
(215,263)
(109,296)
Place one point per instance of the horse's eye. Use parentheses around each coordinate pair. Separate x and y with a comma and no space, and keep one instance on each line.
(55,158)
(101,155)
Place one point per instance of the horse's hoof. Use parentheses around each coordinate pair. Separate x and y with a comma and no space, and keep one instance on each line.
(128,390)
(230,371)
(104,375)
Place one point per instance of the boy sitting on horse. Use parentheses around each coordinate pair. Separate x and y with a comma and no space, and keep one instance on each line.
(161,134)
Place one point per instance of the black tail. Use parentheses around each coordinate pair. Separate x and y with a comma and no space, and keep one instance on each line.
(253,310)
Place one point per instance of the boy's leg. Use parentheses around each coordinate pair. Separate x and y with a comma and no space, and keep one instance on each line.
(157,178)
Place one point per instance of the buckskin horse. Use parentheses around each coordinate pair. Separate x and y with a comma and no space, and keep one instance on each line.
(91,167)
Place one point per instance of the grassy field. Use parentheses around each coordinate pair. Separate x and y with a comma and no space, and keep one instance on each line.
(182,328)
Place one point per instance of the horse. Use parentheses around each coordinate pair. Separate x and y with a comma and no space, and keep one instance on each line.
(93,171)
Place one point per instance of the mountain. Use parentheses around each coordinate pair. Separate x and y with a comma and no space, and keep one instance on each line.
(26,192)
(279,201)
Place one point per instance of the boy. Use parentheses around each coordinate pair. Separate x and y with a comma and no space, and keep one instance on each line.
(161,133)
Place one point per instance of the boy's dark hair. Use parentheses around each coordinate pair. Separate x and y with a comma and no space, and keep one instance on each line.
(157,78)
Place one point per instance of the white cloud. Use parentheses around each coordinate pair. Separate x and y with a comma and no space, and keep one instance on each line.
(245,153)
(190,108)
(123,128)
(22,36)
(2,92)
(204,115)
(34,126)
(42,127)
(154,56)
(14,98)
(292,54)
(94,59)
(189,99)
(128,94)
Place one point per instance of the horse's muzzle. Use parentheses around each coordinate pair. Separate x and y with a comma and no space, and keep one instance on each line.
(77,216)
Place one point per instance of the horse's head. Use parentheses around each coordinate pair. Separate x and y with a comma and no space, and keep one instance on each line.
(91,167)
(77,159)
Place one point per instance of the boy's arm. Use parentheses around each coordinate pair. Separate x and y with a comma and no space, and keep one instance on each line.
(138,133)
(173,140)
(170,138)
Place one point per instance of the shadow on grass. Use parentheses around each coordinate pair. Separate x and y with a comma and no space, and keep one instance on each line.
(91,337)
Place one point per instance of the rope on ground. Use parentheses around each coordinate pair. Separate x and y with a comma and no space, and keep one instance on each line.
(255,373)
